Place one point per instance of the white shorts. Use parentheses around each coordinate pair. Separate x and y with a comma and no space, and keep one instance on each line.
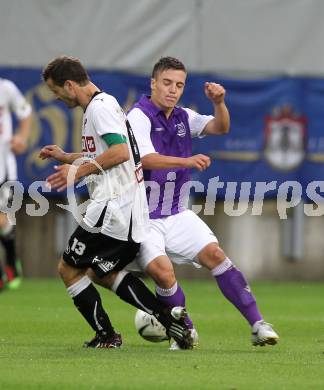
(181,237)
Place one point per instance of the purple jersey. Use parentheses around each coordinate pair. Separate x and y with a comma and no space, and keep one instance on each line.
(170,137)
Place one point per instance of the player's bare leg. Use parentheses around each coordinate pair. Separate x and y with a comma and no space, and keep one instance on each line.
(167,288)
(235,288)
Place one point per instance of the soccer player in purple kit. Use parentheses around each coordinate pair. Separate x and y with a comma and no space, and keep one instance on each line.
(163,132)
(117,207)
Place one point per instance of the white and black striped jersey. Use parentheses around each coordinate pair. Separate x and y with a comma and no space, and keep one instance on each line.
(121,188)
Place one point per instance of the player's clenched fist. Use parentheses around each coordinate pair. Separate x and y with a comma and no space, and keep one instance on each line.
(215,92)
(198,161)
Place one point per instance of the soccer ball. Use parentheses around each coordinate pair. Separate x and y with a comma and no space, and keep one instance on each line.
(149,327)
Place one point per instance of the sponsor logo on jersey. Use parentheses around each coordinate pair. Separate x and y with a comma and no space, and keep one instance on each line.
(88,144)
(159,129)
(285,139)
(139,173)
(181,129)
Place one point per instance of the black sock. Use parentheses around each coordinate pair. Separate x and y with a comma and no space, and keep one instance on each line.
(1,277)
(9,244)
(132,290)
(88,302)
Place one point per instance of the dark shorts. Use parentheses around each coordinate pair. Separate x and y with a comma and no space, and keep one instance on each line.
(102,253)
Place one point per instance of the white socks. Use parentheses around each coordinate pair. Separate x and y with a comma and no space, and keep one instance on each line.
(119,278)
(78,287)
(222,267)
(166,292)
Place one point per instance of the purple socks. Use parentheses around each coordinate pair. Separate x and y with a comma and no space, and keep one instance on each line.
(236,289)
(233,286)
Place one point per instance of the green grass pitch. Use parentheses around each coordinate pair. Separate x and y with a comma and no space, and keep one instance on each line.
(41,336)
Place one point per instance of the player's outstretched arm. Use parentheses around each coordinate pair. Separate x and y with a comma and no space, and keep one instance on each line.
(221,122)
(58,154)
(159,161)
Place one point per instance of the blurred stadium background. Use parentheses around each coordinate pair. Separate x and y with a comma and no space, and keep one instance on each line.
(267,54)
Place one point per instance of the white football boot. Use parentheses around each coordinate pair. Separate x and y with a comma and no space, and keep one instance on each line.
(262,334)
(194,334)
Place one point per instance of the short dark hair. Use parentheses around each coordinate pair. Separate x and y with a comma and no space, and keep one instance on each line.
(166,63)
(65,68)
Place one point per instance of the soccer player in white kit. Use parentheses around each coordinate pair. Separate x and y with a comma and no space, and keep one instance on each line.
(163,132)
(11,101)
(116,217)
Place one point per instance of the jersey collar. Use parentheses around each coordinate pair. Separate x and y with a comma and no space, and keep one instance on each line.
(146,100)
(92,97)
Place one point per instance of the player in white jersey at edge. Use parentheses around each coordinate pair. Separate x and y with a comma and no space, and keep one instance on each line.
(163,132)
(116,218)
(11,144)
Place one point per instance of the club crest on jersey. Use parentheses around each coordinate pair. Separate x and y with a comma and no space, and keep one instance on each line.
(285,135)
(181,129)
(88,144)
